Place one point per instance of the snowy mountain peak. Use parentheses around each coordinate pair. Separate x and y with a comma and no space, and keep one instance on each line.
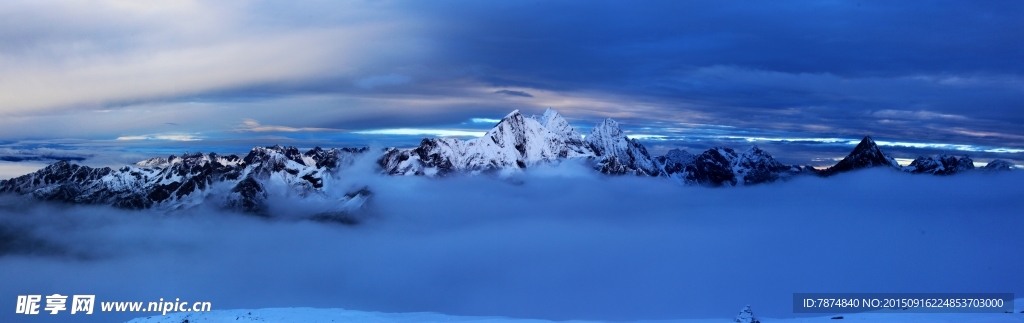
(757,156)
(606,138)
(554,122)
(940,165)
(513,114)
(756,166)
(514,143)
(754,150)
(998,165)
(513,122)
(617,153)
(547,115)
(194,159)
(181,182)
(316,151)
(746,316)
(679,155)
(276,152)
(607,130)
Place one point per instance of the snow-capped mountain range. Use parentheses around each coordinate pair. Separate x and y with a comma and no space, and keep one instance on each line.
(515,144)
(179,182)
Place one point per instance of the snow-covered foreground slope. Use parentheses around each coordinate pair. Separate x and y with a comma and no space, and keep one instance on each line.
(326,315)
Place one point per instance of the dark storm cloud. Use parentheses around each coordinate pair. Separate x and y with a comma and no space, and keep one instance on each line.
(514,93)
(929,71)
(828,64)
(571,40)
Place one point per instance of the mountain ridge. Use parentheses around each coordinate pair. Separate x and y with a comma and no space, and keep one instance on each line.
(181,182)
(514,144)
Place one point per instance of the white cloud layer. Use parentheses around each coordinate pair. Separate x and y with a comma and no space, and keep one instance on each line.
(250,125)
(557,243)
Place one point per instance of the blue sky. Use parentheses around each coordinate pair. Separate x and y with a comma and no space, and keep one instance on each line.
(800,79)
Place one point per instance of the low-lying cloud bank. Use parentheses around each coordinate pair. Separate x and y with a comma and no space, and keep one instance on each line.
(556,243)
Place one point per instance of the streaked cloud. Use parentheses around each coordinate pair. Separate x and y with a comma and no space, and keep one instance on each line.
(946,146)
(646,137)
(884,143)
(382,80)
(423,132)
(169,137)
(250,125)
(919,115)
(485,120)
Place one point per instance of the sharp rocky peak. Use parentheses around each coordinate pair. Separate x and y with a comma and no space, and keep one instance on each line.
(618,154)
(263,154)
(556,124)
(865,155)
(606,130)
(514,143)
(316,151)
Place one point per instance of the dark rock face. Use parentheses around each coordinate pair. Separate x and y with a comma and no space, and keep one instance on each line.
(675,161)
(248,195)
(757,166)
(865,155)
(636,161)
(63,181)
(61,173)
(432,154)
(941,165)
(713,167)
(393,159)
(176,182)
(725,167)
(335,157)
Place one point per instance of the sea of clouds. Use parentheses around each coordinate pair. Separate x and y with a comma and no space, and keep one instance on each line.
(556,243)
